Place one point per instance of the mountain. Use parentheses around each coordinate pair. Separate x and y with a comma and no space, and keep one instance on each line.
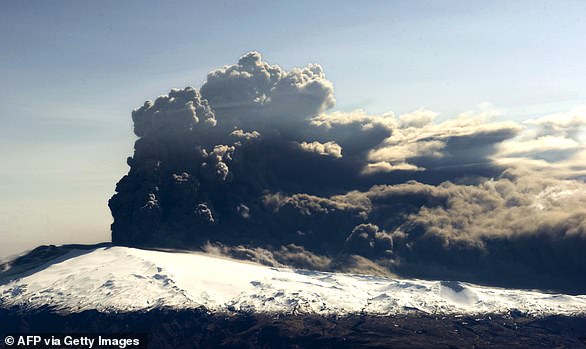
(106,286)
(114,279)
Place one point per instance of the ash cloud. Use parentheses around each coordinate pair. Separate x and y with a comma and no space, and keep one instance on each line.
(328,149)
(254,165)
(255,94)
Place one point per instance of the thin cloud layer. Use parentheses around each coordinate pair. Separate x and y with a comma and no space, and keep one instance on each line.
(554,145)
(254,166)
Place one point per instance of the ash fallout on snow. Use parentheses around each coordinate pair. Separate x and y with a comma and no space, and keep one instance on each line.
(255,164)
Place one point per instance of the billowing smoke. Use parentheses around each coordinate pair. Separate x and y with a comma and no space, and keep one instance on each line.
(254,165)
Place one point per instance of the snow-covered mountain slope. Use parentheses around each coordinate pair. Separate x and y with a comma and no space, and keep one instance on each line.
(129,279)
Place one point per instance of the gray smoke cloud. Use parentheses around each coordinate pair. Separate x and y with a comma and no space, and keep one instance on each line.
(254,94)
(253,165)
(177,112)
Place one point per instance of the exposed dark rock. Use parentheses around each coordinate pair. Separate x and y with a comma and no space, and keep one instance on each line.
(167,328)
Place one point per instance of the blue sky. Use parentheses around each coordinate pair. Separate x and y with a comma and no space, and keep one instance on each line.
(71,72)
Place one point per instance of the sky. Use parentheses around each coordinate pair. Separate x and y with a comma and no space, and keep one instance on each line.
(72,72)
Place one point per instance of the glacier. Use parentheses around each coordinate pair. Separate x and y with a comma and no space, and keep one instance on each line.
(124,279)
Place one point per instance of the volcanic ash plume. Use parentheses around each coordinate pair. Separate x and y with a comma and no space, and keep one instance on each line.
(253,164)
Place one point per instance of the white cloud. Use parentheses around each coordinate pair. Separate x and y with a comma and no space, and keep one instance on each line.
(328,148)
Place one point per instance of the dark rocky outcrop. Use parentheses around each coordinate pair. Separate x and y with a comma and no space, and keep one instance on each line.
(167,328)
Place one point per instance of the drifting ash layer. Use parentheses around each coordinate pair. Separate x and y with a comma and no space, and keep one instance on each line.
(122,279)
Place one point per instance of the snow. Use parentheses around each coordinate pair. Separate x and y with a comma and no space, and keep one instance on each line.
(125,279)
